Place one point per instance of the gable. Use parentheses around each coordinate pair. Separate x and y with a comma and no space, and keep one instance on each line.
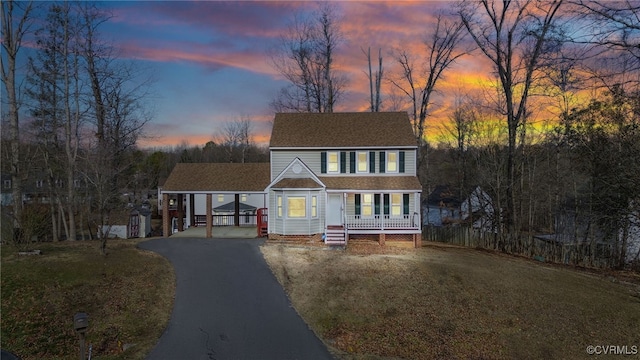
(340,130)
(210,177)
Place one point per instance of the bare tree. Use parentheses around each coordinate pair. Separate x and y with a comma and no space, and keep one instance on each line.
(306,59)
(375,79)
(236,137)
(13,31)
(512,35)
(442,50)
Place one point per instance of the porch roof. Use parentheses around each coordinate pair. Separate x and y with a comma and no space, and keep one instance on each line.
(380,183)
(211,177)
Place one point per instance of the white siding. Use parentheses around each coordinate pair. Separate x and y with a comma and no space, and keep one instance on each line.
(289,226)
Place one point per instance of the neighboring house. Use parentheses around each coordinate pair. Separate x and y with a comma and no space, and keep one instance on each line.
(575,231)
(35,189)
(445,207)
(344,175)
(331,177)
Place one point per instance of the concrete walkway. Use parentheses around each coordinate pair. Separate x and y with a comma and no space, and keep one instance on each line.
(229,305)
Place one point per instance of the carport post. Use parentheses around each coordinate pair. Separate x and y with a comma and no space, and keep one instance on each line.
(208,216)
(236,211)
(165,215)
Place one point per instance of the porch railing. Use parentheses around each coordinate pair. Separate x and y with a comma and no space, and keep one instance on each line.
(383,222)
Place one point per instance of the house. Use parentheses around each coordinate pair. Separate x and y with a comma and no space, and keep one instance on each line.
(331,177)
(444,206)
(578,235)
(342,176)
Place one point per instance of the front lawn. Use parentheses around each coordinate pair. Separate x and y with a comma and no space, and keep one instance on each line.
(443,302)
(128,295)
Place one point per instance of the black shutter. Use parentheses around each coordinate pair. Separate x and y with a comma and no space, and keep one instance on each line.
(405,204)
(357,199)
(401,161)
(352,162)
(386,204)
(323,162)
(376,202)
(383,165)
(372,162)
(343,162)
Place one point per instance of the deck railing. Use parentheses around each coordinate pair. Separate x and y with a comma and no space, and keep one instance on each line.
(383,222)
(226,220)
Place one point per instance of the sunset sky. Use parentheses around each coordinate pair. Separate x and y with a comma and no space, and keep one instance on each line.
(210,59)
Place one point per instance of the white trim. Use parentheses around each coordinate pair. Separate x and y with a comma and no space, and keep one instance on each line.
(297,160)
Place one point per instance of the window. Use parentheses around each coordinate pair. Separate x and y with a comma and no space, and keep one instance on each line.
(367,205)
(362,161)
(296,206)
(396,204)
(314,206)
(279,206)
(243,197)
(392,162)
(220,198)
(332,162)
(6,184)
(39,183)
(76,183)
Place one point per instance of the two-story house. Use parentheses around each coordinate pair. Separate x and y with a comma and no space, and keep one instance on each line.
(332,177)
(344,175)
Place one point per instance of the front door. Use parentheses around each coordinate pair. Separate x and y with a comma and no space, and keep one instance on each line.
(334,209)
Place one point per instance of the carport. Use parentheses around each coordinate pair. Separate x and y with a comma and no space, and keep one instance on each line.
(191,180)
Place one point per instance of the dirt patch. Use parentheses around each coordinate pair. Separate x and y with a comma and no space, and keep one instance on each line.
(444,302)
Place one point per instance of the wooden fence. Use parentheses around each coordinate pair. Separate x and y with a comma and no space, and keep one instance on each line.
(458,235)
(582,254)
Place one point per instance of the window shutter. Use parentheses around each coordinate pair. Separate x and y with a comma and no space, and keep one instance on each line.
(357,199)
(383,164)
(372,162)
(343,162)
(405,204)
(352,162)
(376,202)
(386,204)
(401,161)
(323,162)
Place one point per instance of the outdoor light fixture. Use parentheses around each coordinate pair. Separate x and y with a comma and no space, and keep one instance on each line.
(80,324)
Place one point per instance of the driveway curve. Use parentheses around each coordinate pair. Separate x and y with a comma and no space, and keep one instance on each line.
(229,305)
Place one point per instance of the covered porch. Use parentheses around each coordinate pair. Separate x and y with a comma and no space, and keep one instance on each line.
(373,215)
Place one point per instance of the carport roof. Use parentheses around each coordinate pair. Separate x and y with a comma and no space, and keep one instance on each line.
(212,177)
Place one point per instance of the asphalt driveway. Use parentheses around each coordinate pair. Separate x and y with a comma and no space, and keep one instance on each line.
(229,305)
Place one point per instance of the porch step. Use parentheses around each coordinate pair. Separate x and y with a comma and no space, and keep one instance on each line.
(335,235)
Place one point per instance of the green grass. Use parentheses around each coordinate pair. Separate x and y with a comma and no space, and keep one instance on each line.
(455,303)
(128,295)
